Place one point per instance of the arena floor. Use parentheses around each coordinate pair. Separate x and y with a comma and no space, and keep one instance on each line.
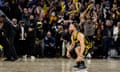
(60,65)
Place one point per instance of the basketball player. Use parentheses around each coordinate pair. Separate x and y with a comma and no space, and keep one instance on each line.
(77,46)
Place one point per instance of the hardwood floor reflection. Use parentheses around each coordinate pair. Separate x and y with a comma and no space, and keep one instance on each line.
(59,65)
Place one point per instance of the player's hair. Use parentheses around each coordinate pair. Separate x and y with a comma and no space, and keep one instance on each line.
(76,25)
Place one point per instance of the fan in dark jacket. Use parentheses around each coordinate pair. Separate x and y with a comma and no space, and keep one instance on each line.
(49,45)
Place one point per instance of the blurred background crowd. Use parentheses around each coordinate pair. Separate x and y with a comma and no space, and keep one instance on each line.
(38,28)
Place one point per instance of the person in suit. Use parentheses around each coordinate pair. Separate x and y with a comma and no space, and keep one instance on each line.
(16,39)
(22,34)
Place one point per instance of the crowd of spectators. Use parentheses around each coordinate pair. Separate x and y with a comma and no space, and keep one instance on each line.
(40,27)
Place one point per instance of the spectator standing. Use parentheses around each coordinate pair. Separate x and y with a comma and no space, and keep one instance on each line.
(4,40)
(117,33)
(10,34)
(1,3)
(22,35)
(107,37)
(25,16)
(31,34)
(66,42)
(15,13)
(39,38)
(59,40)
(98,47)
(16,29)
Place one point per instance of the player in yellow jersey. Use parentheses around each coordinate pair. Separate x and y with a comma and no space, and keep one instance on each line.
(77,47)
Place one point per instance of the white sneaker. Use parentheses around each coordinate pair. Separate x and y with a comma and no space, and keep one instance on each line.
(32,58)
(25,58)
(89,56)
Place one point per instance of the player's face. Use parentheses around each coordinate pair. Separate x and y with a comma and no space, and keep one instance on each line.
(1,25)
(71,27)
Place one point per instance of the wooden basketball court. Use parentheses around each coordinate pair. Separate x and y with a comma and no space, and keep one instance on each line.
(60,65)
